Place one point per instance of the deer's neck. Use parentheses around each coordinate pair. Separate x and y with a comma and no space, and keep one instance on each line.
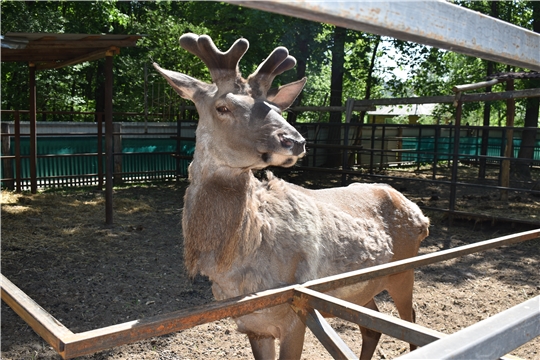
(220,220)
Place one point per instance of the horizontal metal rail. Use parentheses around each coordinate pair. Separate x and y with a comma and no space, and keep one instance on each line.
(489,338)
(448,26)
(371,319)
(70,345)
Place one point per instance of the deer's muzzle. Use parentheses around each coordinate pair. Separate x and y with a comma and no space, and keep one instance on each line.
(297,146)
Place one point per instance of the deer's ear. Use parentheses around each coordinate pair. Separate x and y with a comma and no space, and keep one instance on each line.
(285,95)
(184,85)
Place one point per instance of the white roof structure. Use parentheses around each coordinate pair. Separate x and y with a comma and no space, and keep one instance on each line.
(396,110)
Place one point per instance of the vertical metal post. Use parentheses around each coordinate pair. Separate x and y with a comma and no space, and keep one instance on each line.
(117,153)
(145,97)
(372,146)
(179,161)
(18,165)
(419,149)
(455,155)
(383,154)
(33,129)
(436,151)
(509,150)
(345,158)
(100,149)
(109,161)
(6,151)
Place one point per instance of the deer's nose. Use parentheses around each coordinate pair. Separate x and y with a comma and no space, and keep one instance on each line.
(296,145)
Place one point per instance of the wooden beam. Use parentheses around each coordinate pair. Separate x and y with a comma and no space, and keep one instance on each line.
(85,43)
(43,323)
(94,55)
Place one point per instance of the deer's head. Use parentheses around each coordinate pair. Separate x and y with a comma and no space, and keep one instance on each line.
(240,122)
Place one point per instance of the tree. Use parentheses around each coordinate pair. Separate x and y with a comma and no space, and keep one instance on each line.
(522,169)
(336,92)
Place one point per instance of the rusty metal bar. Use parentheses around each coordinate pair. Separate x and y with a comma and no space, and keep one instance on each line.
(104,338)
(109,163)
(448,26)
(108,337)
(33,130)
(18,165)
(509,148)
(100,149)
(368,318)
(353,277)
(325,334)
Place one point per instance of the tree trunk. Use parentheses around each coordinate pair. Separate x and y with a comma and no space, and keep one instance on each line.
(100,87)
(301,66)
(521,169)
(367,95)
(336,92)
(487,109)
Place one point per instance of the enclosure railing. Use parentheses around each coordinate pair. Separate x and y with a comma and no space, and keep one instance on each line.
(415,159)
(307,300)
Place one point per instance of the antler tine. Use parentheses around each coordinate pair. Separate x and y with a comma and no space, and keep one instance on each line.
(223,66)
(278,62)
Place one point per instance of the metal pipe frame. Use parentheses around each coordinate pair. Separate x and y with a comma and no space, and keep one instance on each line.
(489,338)
(448,26)
(70,345)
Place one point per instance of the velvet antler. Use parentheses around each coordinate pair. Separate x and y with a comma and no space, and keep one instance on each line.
(223,66)
(278,62)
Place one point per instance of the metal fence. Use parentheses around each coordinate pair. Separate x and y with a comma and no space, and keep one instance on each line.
(73,154)
(416,159)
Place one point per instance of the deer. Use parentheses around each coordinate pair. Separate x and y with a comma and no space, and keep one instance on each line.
(248,234)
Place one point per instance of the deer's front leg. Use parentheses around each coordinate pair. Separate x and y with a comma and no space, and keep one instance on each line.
(264,348)
(292,340)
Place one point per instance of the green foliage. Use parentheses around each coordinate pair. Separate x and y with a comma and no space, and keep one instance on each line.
(431,71)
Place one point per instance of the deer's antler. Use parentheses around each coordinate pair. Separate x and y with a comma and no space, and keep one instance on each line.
(278,62)
(223,66)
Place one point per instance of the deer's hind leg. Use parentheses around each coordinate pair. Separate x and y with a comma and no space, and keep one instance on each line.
(400,288)
(370,338)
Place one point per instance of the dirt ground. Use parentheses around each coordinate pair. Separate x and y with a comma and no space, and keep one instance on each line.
(58,250)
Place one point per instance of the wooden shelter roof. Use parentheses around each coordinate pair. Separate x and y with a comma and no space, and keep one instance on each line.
(53,51)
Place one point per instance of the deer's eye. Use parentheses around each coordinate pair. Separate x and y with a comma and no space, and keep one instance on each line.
(222,109)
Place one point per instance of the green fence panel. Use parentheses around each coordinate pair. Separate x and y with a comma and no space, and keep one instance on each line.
(151,157)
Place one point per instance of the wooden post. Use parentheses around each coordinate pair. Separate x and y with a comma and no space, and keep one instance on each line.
(33,130)
(117,150)
(509,149)
(8,163)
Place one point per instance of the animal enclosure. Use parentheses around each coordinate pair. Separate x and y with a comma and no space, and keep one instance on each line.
(89,276)
(523,59)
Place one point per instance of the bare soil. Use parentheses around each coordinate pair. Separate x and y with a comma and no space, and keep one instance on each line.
(57,248)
